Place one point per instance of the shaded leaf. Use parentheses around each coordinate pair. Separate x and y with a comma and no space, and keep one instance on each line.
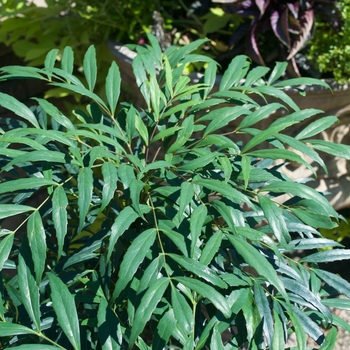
(85,188)
(113,81)
(148,303)
(65,309)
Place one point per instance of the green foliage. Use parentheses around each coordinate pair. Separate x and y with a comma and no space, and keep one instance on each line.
(329,50)
(155,228)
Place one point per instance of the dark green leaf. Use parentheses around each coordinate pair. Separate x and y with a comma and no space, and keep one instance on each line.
(234,72)
(275,219)
(123,221)
(90,67)
(258,262)
(65,309)
(18,108)
(182,311)
(148,303)
(113,81)
(67,61)
(7,210)
(199,269)
(10,329)
(110,178)
(186,195)
(108,327)
(328,255)
(164,330)
(5,249)
(133,258)
(24,184)
(29,292)
(207,292)
(37,242)
(211,248)
(316,127)
(85,188)
(335,281)
(197,220)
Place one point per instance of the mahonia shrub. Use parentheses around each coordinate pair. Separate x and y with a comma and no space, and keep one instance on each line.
(153,228)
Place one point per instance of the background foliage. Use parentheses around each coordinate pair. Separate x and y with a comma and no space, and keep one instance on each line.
(155,228)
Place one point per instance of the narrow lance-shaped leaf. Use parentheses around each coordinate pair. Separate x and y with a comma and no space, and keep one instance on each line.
(85,187)
(164,330)
(67,61)
(196,223)
(25,184)
(37,243)
(29,292)
(123,221)
(133,258)
(207,292)
(316,127)
(18,108)
(7,210)
(258,262)
(110,178)
(182,311)
(328,255)
(5,249)
(65,309)
(8,329)
(109,329)
(90,67)
(113,81)
(59,216)
(148,304)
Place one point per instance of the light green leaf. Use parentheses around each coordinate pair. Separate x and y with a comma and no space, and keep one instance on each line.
(316,127)
(113,81)
(211,248)
(199,269)
(186,195)
(335,281)
(54,112)
(90,67)
(18,108)
(255,74)
(5,249)
(168,75)
(278,339)
(277,72)
(85,187)
(37,347)
(148,303)
(335,149)
(299,331)
(328,255)
(65,309)
(313,243)
(37,242)
(141,129)
(234,72)
(223,188)
(166,132)
(7,210)
(276,93)
(164,330)
(256,260)
(265,311)
(209,77)
(314,219)
(29,292)
(197,220)
(259,114)
(245,164)
(303,191)
(275,219)
(50,60)
(110,178)
(133,258)
(59,216)
(25,184)
(123,221)
(216,339)
(182,311)
(199,162)
(108,327)
(10,329)
(301,81)
(67,61)
(338,303)
(207,292)
(81,90)
(227,115)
